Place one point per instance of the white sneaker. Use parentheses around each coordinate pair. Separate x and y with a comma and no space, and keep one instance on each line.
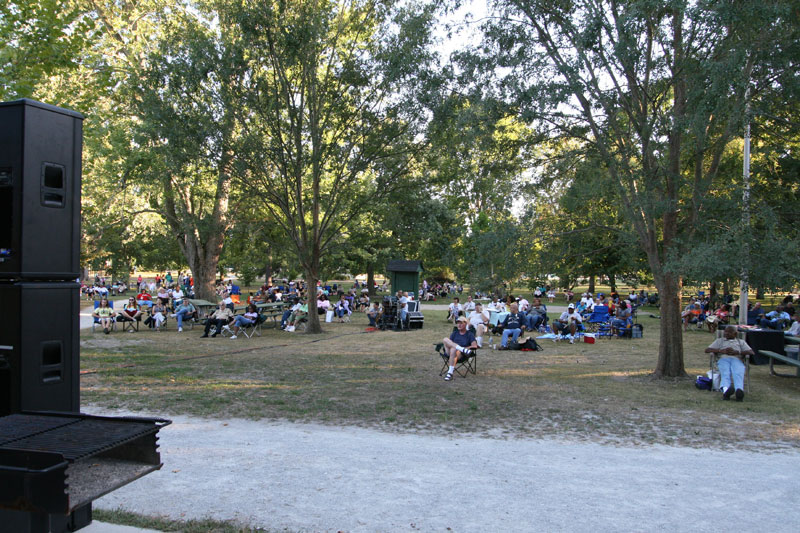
(571,339)
(180,329)
(233,336)
(173,315)
(226,327)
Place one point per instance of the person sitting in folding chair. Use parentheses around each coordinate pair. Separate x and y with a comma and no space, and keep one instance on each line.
(342,308)
(374,314)
(461,342)
(299,313)
(513,325)
(731,352)
(454,310)
(105,315)
(241,321)
(537,315)
(569,320)
(158,314)
(185,310)
(479,320)
(130,313)
(622,319)
(220,318)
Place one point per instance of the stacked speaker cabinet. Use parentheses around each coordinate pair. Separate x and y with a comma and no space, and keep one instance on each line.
(40,181)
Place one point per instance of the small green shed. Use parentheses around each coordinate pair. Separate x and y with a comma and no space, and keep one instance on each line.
(404,275)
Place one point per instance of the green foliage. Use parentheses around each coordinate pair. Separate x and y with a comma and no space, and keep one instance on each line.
(39,39)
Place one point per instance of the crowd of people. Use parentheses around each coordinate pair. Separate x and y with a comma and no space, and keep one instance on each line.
(532,316)
(165,296)
(701,313)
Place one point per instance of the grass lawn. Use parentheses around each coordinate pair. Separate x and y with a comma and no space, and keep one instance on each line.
(390,380)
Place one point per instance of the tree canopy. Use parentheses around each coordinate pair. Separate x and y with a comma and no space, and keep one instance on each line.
(324,137)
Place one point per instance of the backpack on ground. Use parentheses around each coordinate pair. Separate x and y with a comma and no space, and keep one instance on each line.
(530,345)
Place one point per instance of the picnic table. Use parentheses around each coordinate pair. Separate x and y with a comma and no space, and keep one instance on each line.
(781,358)
(202,306)
(272,311)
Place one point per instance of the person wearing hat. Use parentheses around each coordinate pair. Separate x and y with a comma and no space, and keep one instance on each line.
(461,341)
(568,321)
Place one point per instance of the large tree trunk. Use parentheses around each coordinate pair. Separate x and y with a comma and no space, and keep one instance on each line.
(612,282)
(314,325)
(371,280)
(670,348)
(591,283)
(204,277)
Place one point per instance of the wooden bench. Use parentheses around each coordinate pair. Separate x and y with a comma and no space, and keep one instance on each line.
(782,358)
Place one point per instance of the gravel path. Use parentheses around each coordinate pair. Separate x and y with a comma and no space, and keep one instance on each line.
(307,477)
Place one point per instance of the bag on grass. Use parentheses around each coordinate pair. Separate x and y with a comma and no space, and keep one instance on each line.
(530,345)
(703,383)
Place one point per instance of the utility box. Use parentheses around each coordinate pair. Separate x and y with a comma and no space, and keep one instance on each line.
(404,275)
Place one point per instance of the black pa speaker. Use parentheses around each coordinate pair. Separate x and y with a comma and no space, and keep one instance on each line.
(40,184)
(39,357)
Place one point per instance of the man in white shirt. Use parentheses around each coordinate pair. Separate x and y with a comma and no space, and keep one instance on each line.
(568,321)
(177,296)
(402,306)
(794,330)
(227,300)
(479,319)
(469,306)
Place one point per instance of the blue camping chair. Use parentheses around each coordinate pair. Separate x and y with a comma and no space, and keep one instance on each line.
(599,319)
(96,321)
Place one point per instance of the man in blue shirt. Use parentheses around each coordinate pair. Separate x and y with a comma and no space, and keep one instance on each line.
(513,325)
(461,342)
(776,319)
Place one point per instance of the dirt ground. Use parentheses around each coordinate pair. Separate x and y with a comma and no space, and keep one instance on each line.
(357,432)
(309,477)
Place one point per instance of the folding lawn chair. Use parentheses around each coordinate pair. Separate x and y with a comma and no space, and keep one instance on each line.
(466,364)
(96,321)
(599,317)
(713,358)
(253,329)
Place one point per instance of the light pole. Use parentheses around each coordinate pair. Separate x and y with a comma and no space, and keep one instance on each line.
(743,285)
